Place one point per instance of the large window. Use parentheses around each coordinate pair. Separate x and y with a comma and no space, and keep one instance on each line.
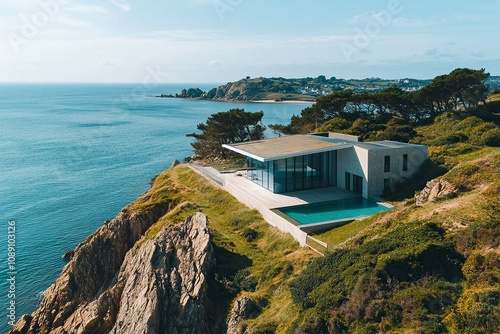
(293,174)
(405,162)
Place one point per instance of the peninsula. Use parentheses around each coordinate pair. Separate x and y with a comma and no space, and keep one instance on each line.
(301,89)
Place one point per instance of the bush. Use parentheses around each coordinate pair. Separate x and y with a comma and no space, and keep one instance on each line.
(363,282)
(482,269)
(250,234)
(269,328)
(398,132)
(477,311)
(313,326)
(491,137)
(476,133)
(244,281)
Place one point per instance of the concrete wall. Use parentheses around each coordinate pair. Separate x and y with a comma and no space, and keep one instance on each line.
(417,154)
(343,136)
(353,160)
(369,164)
(282,224)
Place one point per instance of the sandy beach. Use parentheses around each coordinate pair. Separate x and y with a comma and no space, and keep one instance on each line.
(286,101)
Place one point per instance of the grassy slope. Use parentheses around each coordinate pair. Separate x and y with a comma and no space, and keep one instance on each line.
(273,258)
(470,221)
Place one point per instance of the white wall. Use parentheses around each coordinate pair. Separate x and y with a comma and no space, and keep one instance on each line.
(353,160)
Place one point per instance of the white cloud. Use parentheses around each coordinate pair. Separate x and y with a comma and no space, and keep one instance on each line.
(360,18)
(20,5)
(188,34)
(215,63)
(70,22)
(85,9)
(195,3)
(108,63)
(122,4)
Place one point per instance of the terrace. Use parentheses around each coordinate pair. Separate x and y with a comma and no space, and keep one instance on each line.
(266,202)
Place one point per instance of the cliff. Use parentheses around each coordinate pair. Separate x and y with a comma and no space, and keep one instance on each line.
(275,89)
(115,285)
(151,270)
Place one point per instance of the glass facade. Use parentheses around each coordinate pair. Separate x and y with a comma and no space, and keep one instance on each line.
(296,173)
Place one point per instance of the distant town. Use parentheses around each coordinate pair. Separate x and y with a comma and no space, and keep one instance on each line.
(303,89)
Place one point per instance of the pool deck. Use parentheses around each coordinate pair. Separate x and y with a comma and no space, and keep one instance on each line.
(265,201)
(241,186)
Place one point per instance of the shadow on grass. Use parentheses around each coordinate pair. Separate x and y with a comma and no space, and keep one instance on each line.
(222,288)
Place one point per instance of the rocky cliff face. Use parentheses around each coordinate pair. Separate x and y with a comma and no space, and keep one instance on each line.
(233,91)
(113,285)
(434,190)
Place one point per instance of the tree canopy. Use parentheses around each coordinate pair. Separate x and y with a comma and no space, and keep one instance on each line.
(461,90)
(232,126)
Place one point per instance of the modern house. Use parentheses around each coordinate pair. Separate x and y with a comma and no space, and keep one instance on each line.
(301,162)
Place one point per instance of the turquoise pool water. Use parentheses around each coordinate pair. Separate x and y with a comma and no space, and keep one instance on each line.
(333,210)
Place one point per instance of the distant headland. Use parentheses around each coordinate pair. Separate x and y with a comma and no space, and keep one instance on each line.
(301,90)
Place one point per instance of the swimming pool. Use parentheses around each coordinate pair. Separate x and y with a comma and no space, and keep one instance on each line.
(332,211)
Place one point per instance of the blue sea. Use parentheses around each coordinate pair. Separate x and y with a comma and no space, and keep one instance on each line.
(72,156)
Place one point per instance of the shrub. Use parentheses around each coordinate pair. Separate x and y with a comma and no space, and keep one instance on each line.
(491,137)
(477,311)
(269,328)
(313,326)
(483,269)
(244,281)
(250,234)
(363,283)
(398,132)
(476,133)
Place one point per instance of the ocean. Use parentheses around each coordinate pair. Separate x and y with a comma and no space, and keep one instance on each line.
(72,156)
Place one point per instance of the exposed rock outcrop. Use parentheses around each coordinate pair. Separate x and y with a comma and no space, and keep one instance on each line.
(112,286)
(436,189)
(165,284)
(243,309)
(233,91)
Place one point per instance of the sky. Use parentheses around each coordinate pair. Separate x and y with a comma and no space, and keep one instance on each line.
(181,41)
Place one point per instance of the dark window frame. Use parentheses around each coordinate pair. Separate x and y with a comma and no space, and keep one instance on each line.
(387,164)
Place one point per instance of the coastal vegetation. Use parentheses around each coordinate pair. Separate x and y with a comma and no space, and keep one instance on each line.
(393,113)
(234,125)
(426,268)
(302,89)
(253,258)
(430,265)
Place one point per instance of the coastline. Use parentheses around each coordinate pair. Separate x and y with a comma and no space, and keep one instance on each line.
(284,102)
(236,101)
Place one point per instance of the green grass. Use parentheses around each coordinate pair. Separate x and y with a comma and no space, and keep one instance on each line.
(338,235)
(272,258)
(287,97)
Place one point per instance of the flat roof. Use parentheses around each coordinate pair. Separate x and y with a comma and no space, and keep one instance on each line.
(385,144)
(284,147)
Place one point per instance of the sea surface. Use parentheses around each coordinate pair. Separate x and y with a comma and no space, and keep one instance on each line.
(72,156)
